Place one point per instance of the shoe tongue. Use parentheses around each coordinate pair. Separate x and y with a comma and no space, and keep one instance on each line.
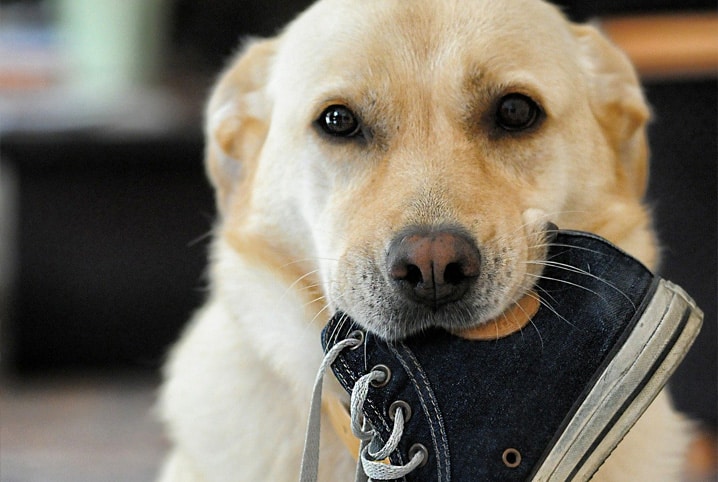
(515,317)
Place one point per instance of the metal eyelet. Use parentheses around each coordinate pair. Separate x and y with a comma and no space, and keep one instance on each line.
(416,448)
(383,381)
(511,458)
(357,335)
(400,404)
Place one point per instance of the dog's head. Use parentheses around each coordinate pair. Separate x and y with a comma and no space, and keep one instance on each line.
(409,155)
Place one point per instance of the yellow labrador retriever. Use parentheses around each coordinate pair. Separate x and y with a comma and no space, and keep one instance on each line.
(364,119)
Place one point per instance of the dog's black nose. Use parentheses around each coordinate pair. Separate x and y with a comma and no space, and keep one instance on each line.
(433,266)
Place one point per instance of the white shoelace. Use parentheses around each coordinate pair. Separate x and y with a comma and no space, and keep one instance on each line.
(370,464)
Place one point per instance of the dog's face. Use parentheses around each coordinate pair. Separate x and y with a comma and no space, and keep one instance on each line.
(407,156)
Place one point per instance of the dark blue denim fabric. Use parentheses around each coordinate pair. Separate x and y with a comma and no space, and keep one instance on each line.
(472,400)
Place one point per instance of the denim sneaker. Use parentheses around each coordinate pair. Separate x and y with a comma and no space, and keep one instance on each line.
(548,402)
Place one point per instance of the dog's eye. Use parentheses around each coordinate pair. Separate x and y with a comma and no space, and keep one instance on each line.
(516,112)
(339,121)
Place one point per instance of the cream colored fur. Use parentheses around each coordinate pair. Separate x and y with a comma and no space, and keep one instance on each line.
(304,219)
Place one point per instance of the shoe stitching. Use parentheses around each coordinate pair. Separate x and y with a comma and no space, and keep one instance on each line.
(441,445)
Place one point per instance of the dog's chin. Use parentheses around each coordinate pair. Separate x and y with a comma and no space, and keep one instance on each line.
(412,319)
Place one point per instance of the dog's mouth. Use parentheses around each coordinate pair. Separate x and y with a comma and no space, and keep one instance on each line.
(440,277)
(511,320)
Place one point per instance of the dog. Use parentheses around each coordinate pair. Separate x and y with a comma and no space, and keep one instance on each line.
(463,125)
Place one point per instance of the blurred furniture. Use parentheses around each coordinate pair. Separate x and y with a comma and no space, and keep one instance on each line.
(670,46)
(110,238)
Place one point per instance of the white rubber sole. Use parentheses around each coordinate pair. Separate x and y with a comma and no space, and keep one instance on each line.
(628,384)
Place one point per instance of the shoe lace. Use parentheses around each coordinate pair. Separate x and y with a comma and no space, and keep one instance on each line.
(371,465)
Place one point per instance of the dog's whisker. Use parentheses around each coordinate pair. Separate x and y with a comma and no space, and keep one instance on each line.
(333,337)
(535,327)
(309,258)
(538,332)
(459,319)
(309,288)
(552,309)
(319,313)
(570,283)
(343,319)
(560,245)
(207,235)
(315,300)
(335,330)
(318,287)
(582,248)
(518,325)
(575,269)
(334,334)
(522,227)
(299,280)
(321,298)
(546,293)
(564,266)
(540,246)
(528,316)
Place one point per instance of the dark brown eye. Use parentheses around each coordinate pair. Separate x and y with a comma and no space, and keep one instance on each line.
(339,121)
(516,112)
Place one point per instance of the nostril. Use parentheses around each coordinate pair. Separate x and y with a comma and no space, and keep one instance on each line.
(413,275)
(406,272)
(454,274)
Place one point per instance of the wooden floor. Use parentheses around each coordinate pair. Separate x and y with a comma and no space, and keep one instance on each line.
(79,429)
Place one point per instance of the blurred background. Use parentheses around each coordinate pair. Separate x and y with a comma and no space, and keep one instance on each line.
(105,211)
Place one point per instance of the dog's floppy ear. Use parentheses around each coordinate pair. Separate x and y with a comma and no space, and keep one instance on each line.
(237,119)
(618,104)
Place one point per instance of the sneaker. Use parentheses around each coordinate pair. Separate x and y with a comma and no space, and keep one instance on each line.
(547,402)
